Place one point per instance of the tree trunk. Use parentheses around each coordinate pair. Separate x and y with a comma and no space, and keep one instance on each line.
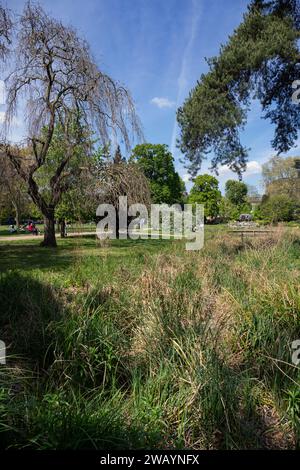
(122,227)
(49,233)
(17,219)
(17,212)
(117,224)
(63,228)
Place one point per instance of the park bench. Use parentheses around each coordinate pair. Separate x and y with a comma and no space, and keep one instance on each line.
(249,232)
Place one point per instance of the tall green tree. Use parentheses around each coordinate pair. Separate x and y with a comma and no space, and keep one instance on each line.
(206,191)
(277,208)
(278,168)
(236,192)
(261,59)
(157,163)
(235,201)
(280,176)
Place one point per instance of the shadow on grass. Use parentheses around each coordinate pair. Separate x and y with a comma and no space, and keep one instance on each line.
(27,256)
(47,410)
(28,307)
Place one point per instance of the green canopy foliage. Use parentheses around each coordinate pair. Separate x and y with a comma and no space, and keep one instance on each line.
(157,163)
(281,177)
(277,208)
(236,192)
(77,177)
(206,191)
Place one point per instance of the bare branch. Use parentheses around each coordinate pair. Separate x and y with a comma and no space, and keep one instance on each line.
(5,32)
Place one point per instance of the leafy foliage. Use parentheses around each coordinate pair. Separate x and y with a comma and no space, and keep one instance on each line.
(230,211)
(277,208)
(157,163)
(280,177)
(206,191)
(236,192)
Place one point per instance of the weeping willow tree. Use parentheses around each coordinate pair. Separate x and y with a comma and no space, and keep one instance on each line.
(52,81)
(116,177)
(260,60)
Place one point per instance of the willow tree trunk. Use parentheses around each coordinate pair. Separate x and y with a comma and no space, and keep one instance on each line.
(49,230)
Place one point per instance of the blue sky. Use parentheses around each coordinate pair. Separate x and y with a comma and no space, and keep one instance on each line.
(157,48)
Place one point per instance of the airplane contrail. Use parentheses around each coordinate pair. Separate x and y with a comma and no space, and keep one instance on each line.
(183,79)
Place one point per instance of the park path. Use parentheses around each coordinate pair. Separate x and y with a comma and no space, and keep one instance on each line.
(6,238)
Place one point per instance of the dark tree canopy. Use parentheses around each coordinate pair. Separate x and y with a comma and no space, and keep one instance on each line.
(118,158)
(277,208)
(261,59)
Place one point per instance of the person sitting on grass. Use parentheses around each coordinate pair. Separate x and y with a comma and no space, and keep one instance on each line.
(12,229)
(32,228)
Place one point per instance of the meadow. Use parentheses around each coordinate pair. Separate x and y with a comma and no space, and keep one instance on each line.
(142,344)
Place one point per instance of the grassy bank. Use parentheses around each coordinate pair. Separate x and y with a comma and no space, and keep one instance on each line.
(143,344)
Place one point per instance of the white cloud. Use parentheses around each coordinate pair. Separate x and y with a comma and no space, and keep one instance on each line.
(162,102)
(253,168)
(186,178)
(224,170)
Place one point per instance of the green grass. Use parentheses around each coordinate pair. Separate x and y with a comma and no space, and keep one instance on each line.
(72,228)
(141,344)
(82,228)
(4,231)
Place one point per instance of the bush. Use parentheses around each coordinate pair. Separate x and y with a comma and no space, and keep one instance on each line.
(279,208)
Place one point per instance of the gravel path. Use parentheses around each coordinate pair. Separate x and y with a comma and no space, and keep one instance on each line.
(39,237)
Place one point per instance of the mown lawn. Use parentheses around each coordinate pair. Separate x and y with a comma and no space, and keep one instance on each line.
(141,344)
(4,231)
(71,228)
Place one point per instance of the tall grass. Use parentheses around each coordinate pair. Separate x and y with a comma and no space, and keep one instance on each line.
(159,348)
